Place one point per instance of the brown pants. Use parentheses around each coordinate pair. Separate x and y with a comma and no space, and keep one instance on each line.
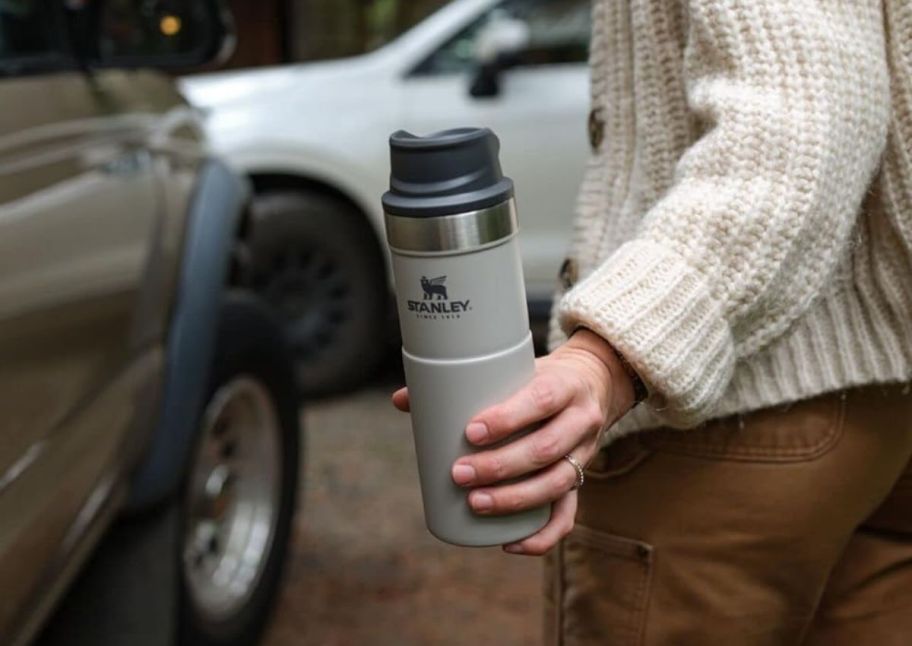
(786,526)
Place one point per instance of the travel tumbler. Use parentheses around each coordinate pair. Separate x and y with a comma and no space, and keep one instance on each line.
(452,230)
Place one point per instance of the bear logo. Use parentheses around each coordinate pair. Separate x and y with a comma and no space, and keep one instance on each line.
(434,287)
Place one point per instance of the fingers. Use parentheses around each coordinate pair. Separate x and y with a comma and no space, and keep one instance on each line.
(551,484)
(562,516)
(543,397)
(401,400)
(539,449)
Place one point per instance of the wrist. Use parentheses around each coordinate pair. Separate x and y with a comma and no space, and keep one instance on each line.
(622,378)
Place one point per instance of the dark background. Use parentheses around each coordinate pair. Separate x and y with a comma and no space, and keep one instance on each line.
(271,32)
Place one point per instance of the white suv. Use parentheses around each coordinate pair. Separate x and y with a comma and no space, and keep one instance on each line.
(313,138)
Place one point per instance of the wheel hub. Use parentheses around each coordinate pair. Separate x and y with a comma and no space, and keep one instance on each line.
(232,499)
(311,289)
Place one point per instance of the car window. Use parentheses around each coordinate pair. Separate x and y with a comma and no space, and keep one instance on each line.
(558,33)
(27,30)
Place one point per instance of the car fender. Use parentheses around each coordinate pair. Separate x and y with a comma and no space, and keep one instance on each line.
(345,175)
(212,224)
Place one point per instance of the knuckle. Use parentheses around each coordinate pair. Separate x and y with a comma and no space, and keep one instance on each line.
(497,419)
(542,393)
(592,417)
(514,501)
(581,386)
(565,479)
(546,448)
(494,468)
(537,548)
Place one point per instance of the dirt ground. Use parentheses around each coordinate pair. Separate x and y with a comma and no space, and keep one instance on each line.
(365,571)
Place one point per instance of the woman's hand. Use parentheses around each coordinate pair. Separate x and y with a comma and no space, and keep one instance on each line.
(578,390)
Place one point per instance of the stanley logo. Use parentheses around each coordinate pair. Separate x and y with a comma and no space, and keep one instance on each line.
(436,303)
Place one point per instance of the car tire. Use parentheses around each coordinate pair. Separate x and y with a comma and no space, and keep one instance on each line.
(317,261)
(251,372)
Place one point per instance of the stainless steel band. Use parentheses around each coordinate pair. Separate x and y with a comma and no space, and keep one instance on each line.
(459,232)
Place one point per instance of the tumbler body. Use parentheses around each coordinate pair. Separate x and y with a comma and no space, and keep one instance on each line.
(465,336)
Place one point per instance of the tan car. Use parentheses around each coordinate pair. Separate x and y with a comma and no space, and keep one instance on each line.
(148,422)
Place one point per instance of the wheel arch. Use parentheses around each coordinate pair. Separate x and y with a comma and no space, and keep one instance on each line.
(265,180)
(218,215)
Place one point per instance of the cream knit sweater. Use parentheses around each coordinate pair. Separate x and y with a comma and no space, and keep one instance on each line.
(744,229)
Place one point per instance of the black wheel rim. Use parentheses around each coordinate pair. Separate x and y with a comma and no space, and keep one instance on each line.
(313,293)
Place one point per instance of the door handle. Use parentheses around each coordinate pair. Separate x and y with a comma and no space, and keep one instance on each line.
(129,163)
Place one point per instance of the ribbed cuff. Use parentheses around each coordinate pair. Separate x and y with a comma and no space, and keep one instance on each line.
(657,311)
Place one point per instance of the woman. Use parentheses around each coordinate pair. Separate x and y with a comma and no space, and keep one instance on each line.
(744,243)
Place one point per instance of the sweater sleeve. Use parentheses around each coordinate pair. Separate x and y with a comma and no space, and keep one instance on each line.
(792,100)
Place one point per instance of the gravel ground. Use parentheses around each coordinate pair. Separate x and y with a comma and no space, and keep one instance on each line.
(364,570)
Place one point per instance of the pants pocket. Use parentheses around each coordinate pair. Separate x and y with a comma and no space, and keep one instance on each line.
(799,432)
(605,585)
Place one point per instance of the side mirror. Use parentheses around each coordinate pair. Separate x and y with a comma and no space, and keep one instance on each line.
(152,33)
(496,49)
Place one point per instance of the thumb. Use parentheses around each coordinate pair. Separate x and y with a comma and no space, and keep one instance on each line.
(401,400)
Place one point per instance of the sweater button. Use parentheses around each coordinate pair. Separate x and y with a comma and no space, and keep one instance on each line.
(596,129)
(568,273)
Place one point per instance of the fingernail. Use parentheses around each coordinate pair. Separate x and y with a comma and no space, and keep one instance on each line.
(463,474)
(481,501)
(476,432)
(513,548)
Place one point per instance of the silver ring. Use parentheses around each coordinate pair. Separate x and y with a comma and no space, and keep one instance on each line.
(580,472)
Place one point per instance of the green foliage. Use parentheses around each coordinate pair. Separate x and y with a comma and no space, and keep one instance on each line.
(335,28)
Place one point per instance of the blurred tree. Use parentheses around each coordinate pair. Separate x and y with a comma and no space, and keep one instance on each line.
(335,28)
(261,38)
(270,32)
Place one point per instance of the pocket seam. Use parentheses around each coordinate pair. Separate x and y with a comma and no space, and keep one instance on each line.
(612,544)
(723,452)
(632,462)
(625,548)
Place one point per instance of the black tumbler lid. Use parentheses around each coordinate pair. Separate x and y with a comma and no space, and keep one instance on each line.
(448,172)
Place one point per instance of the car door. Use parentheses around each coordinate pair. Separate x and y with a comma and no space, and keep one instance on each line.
(539,113)
(77,207)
